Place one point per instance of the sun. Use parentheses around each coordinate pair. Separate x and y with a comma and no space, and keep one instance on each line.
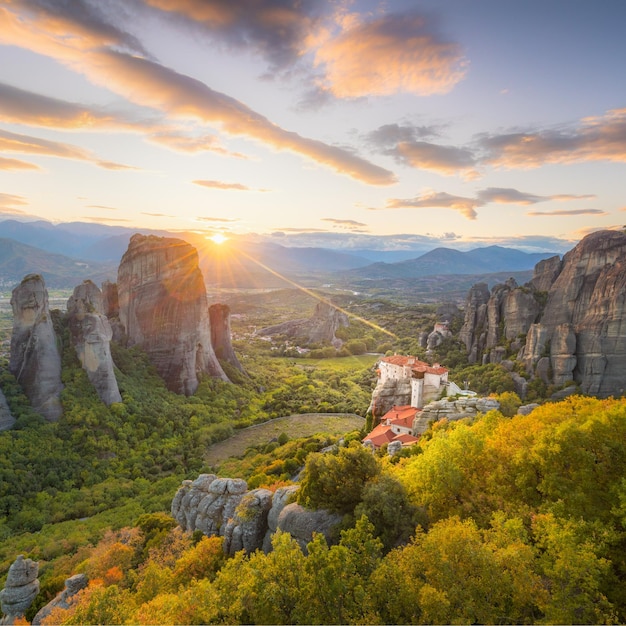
(218,238)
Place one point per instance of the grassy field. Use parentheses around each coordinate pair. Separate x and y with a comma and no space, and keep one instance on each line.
(341,364)
(294,426)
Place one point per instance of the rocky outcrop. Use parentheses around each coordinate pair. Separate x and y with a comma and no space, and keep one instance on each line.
(35,360)
(281,498)
(302,523)
(111,308)
(583,326)
(90,334)
(246,519)
(571,318)
(503,315)
(545,273)
(219,317)
(319,328)
(163,307)
(452,410)
(21,587)
(6,419)
(473,332)
(386,395)
(63,600)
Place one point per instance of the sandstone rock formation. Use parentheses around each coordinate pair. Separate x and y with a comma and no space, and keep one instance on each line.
(219,317)
(6,419)
(163,307)
(35,360)
(63,600)
(111,308)
(246,519)
(319,328)
(90,334)
(571,318)
(21,587)
(393,392)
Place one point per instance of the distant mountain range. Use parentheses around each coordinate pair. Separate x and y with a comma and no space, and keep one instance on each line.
(67,253)
(446,261)
(59,271)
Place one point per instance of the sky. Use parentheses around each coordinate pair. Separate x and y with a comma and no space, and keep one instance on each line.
(349,123)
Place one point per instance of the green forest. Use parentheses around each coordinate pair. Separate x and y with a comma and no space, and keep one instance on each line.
(503,519)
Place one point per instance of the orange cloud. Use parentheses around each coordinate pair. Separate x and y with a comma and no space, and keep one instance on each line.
(568,213)
(148,83)
(506,195)
(187,143)
(9,200)
(394,53)
(26,144)
(601,138)
(217,184)
(434,200)
(16,164)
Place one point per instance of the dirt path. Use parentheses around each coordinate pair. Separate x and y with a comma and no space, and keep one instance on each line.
(293,425)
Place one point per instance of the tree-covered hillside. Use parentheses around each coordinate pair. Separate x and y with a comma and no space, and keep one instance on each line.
(514,520)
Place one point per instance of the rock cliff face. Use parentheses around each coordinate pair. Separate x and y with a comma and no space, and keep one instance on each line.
(111,308)
(572,316)
(219,317)
(393,392)
(35,360)
(319,328)
(163,307)
(90,334)
(246,519)
(6,419)
(21,587)
(63,600)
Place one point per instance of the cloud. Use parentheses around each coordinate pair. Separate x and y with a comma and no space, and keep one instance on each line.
(282,231)
(26,107)
(8,201)
(505,195)
(151,84)
(147,83)
(222,220)
(101,206)
(601,138)
(277,30)
(393,53)
(405,144)
(343,222)
(158,214)
(433,200)
(16,164)
(182,142)
(26,144)
(218,184)
(85,20)
(104,220)
(572,212)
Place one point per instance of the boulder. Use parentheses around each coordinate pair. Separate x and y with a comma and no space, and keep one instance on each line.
(386,395)
(163,307)
(63,600)
(90,334)
(280,500)
(248,527)
(35,359)
(21,587)
(302,523)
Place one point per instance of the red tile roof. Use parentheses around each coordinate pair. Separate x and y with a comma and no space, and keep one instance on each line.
(383,434)
(415,364)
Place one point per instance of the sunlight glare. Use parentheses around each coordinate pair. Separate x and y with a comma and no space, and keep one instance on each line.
(218,238)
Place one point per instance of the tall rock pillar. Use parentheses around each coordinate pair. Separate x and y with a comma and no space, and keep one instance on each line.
(35,360)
